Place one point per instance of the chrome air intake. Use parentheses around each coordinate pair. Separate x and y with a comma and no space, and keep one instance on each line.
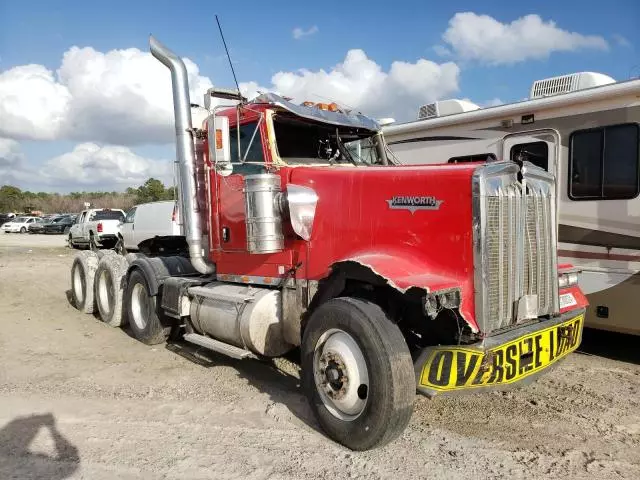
(514,244)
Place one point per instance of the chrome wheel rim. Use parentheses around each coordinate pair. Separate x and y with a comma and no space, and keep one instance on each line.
(341,375)
(105,292)
(77,284)
(139,306)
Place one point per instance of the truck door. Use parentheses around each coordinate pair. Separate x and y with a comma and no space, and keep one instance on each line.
(248,160)
(76,228)
(127,229)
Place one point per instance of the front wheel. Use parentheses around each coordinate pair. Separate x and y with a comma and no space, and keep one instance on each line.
(357,373)
(23,230)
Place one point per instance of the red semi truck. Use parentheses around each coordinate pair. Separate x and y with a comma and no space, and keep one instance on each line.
(300,232)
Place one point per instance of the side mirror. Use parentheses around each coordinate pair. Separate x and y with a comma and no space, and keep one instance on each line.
(219,149)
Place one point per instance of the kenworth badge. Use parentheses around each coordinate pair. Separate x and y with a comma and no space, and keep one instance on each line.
(413,203)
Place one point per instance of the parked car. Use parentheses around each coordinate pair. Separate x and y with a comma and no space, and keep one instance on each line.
(6,217)
(59,225)
(149,220)
(96,227)
(38,225)
(18,224)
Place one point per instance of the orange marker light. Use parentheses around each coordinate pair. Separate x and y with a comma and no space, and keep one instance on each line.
(218,139)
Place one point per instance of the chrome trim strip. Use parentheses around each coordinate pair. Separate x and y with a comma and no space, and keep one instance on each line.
(249,279)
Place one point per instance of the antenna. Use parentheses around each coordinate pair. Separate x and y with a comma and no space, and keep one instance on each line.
(228,56)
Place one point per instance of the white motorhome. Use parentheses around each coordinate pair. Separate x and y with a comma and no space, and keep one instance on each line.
(597,123)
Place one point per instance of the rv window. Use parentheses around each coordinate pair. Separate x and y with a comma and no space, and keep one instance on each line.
(534,152)
(603,163)
(480,157)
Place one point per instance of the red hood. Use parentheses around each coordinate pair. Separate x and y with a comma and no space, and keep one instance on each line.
(413,222)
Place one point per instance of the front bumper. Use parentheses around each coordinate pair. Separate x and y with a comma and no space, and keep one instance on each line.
(515,357)
(11,229)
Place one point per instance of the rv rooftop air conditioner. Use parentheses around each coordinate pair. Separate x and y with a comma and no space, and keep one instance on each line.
(568,83)
(445,107)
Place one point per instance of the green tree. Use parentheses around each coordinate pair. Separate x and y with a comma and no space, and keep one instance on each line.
(10,198)
(151,191)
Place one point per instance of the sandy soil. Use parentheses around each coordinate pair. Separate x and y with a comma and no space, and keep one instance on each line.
(81,400)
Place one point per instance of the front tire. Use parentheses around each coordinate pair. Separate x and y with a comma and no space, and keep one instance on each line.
(82,275)
(142,311)
(108,288)
(357,373)
(23,230)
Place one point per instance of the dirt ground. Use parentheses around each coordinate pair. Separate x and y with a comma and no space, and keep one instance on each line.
(79,399)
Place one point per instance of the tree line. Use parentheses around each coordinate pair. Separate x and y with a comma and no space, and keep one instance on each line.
(13,199)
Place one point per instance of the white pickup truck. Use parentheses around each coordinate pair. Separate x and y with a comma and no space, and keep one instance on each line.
(95,228)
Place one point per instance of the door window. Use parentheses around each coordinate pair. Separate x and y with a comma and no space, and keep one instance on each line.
(534,152)
(604,163)
(130,215)
(250,158)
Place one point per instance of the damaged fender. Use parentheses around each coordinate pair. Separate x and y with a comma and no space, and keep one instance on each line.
(403,273)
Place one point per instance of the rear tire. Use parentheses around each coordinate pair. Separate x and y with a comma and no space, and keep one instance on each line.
(82,275)
(142,311)
(109,288)
(92,243)
(71,244)
(357,373)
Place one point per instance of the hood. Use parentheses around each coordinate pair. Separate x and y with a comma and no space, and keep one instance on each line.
(420,215)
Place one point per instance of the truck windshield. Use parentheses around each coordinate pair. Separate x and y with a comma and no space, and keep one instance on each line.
(305,142)
(107,215)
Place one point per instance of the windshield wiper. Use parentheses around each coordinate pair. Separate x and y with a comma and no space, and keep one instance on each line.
(343,149)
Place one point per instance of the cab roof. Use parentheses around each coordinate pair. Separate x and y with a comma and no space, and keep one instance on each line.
(338,118)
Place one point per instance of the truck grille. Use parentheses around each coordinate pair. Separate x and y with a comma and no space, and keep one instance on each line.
(515,246)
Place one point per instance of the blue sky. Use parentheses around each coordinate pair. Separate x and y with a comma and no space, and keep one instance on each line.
(260,38)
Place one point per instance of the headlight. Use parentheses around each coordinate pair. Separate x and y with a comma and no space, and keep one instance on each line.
(567,279)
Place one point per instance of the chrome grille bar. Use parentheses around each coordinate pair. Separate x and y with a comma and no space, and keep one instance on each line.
(515,243)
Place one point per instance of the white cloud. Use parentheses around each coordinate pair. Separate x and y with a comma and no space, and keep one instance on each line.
(13,168)
(481,37)
(88,165)
(361,84)
(494,102)
(122,96)
(620,40)
(10,154)
(106,167)
(441,51)
(298,32)
(32,103)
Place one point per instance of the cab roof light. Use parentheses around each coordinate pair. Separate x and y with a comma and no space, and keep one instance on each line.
(329,107)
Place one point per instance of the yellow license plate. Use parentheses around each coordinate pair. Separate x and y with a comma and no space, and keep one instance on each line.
(454,368)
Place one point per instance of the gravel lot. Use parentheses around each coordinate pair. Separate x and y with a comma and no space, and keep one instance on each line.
(81,400)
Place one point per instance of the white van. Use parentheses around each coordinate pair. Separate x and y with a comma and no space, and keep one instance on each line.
(149,220)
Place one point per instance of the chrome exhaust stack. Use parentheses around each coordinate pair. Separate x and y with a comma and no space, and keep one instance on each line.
(185,155)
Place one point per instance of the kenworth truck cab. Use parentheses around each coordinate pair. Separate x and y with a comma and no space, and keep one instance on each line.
(299,232)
